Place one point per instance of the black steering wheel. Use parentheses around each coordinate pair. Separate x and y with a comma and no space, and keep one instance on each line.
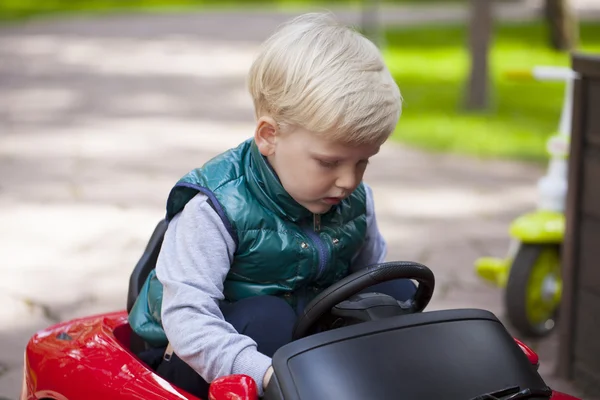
(354,283)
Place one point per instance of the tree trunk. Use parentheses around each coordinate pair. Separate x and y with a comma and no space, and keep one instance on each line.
(371,23)
(562,25)
(480,32)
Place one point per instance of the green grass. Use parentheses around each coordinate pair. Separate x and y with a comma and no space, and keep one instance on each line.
(431,67)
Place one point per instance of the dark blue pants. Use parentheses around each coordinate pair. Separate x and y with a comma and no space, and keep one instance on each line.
(269,321)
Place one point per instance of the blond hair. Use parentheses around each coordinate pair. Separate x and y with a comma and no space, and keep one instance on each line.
(320,75)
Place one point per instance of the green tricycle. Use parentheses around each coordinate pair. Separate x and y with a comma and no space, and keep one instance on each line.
(531,270)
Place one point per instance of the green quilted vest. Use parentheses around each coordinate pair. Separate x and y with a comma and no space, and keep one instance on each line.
(282,249)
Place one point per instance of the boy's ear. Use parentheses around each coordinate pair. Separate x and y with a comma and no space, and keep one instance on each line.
(266,135)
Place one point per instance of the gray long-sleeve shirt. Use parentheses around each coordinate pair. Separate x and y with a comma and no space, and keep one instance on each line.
(194,260)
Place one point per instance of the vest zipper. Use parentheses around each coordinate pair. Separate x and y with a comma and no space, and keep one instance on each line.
(317,222)
(313,234)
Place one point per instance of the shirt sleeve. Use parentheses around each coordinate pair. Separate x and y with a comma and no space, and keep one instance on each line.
(374,248)
(193,263)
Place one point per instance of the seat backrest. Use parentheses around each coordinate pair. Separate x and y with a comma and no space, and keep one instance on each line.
(146,263)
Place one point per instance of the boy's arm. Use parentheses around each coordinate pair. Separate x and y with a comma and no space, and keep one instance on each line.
(374,248)
(192,265)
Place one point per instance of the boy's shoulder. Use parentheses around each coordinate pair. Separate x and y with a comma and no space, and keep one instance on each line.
(231,157)
(219,169)
(212,177)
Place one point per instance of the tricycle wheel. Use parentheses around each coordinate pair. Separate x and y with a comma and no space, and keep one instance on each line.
(533,290)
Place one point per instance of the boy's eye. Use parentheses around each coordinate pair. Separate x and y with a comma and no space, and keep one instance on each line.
(327,164)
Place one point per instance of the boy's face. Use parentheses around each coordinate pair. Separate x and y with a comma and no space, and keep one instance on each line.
(317,173)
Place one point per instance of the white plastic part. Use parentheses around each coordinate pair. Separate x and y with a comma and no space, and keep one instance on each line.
(553,73)
(552,188)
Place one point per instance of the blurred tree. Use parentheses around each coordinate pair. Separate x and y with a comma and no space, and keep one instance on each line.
(480,31)
(562,24)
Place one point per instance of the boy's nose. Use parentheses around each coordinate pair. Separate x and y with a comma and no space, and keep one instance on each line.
(347,181)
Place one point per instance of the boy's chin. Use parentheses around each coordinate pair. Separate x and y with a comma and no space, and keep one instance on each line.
(318,208)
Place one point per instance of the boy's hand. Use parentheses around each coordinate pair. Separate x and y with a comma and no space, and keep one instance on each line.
(267,377)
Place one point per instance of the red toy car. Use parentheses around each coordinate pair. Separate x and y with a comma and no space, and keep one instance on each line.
(369,346)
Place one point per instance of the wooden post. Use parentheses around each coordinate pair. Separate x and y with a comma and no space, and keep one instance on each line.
(569,252)
(579,353)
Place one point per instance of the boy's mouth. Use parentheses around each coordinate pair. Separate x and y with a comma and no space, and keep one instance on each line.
(332,200)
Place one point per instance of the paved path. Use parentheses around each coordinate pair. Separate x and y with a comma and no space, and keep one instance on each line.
(98,118)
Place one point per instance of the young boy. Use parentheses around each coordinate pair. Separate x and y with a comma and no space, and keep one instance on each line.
(261,229)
